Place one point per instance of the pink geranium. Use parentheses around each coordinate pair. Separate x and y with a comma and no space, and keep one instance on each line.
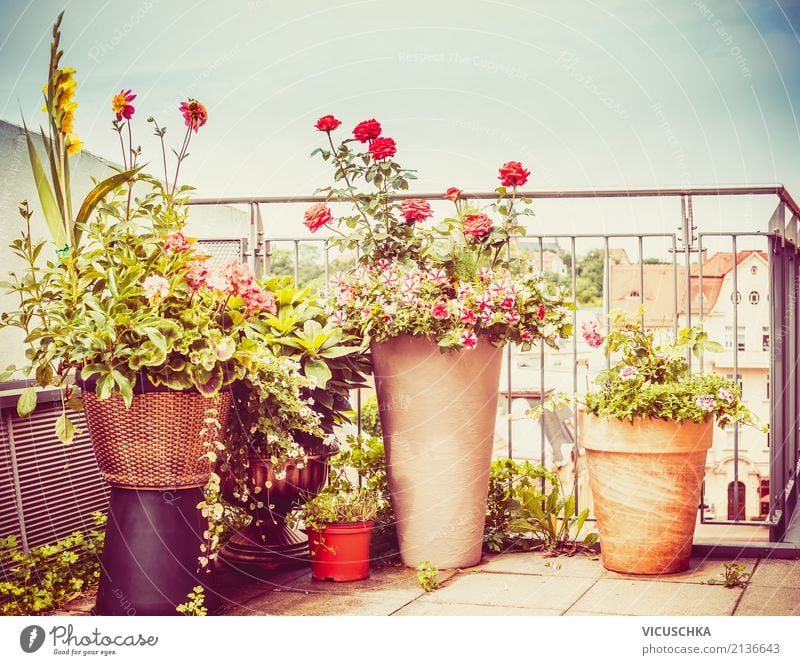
(257,299)
(628,373)
(176,242)
(198,273)
(591,334)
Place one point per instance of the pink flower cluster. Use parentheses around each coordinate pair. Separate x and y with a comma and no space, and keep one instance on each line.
(233,279)
(396,295)
(591,334)
(707,402)
(628,373)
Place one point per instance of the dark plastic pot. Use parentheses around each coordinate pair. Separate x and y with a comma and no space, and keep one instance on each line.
(340,552)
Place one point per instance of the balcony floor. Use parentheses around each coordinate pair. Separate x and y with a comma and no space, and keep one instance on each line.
(517,584)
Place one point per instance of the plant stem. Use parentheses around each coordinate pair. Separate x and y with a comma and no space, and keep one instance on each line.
(181,155)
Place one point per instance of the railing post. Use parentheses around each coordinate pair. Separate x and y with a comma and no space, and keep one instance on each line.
(777,295)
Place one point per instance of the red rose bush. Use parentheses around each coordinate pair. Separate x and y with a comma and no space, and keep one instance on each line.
(448,278)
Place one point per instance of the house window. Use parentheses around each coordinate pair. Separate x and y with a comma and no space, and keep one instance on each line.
(736,497)
(765,338)
(753,270)
(740,335)
(763,498)
(738,381)
(633,294)
(736,297)
(754,297)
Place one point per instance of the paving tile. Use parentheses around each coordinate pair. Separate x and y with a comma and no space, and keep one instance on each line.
(389,579)
(460,610)
(700,570)
(656,598)
(531,563)
(504,590)
(236,587)
(321,604)
(777,573)
(769,601)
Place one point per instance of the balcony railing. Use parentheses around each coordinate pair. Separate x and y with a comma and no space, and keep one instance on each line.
(679,284)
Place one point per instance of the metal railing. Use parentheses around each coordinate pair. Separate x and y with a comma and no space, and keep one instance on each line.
(781,239)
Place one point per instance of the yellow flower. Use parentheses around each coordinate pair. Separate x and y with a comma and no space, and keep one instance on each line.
(74,144)
(67,122)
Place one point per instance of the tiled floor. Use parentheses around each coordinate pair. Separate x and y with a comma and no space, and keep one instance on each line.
(529,584)
(517,584)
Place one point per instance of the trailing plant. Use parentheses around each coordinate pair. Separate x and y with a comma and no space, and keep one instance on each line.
(428,576)
(50,575)
(195,603)
(528,509)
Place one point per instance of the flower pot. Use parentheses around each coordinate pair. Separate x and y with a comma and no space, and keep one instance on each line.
(340,552)
(157,443)
(438,414)
(267,541)
(645,479)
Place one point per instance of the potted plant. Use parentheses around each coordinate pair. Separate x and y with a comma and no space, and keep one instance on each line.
(339,525)
(437,302)
(646,431)
(279,443)
(130,321)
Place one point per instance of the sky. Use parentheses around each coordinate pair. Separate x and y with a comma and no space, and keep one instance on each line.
(613,93)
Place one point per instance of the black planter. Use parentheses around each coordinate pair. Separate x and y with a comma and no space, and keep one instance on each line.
(149,563)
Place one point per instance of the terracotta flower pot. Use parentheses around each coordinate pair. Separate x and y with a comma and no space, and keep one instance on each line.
(340,552)
(645,479)
(438,414)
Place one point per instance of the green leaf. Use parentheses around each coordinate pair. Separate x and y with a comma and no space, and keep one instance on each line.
(209,383)
(96,195)
(318,371)
(52,215)
(26,402)
(65,430)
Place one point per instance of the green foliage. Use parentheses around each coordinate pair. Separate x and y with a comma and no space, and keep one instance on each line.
(589,278)
(527,509)
(50,575)
(195,603)
(362,463)
(654,381)
(733,575)
(356,504)
(370,417)
(428,576)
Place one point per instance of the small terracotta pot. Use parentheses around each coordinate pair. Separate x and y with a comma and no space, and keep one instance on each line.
(645,479)
(438,412)
(340,552)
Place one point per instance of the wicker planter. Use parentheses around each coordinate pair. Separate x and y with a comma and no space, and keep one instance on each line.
(645,479)
(438,415)
(157,443)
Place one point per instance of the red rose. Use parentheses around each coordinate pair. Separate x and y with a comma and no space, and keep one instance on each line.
(453,194)
(416,210)
(317,216)
(367,130)
(477,226)
(327,123)
(381,148)
(513,174)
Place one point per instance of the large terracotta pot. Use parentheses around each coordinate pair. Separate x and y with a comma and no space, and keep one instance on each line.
(645,479)
(438,414)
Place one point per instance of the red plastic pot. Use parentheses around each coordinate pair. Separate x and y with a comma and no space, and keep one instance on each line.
(340,552)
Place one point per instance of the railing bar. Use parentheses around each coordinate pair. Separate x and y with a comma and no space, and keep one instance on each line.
(607,292)
(509,384)
(736,299)
(675,282)
(641,277)
(296,262)
(327,271)
(542,444)
(575,433)
(12,451)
